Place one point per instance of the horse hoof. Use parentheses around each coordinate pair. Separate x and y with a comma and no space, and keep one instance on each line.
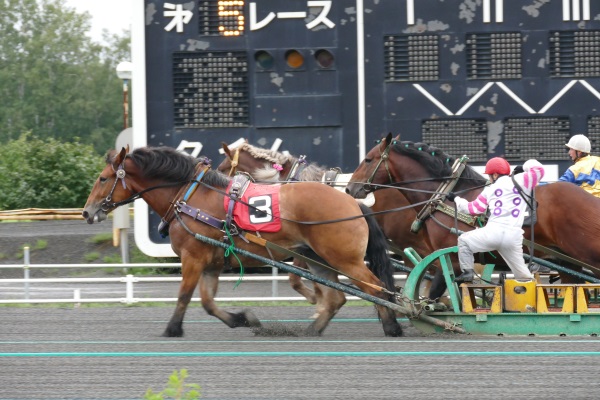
(314,316)
(251,320)
(395,332)
(172,333)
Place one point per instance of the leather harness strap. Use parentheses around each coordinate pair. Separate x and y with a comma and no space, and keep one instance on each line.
(444,188)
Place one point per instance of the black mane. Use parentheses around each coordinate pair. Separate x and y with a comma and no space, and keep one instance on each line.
(166,163)
(436,162)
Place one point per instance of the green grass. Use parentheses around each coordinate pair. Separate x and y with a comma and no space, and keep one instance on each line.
(93,256)
(101,238)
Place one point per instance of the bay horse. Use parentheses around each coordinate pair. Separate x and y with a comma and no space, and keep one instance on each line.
(565,213)
(260,162)
(159,175)
(266,165)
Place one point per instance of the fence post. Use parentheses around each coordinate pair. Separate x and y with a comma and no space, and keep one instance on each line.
(274,289)
(129,289)
(26,262)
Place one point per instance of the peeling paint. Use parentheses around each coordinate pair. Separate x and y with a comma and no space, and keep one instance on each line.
(194,45)
(467,11)
(431,26)
(446,87)
(495,129)
(489,110)
(458,48)
(472,91)
(309,117)
(368,11)
(262,142)
(534,9)
(542,63)
(188,6)
(276,79)
(494,99)
(317,141)
(150,11)
(399,99)
(454,67)
(350,11)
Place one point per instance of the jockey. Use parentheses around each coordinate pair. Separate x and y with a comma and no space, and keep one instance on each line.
(503,232)
(585,171)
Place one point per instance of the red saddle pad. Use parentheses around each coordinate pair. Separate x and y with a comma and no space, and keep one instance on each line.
(263,216)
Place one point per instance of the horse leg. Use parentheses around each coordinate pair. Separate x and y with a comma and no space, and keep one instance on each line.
(330,301)
(190,274)
(299,286)
(209,283)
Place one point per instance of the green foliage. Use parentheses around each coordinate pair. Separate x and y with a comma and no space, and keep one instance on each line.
(102,238)
(176,388)
(46,173)
(41,244)
(54,80)
(93,256)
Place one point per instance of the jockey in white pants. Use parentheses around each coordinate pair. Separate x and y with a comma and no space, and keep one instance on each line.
(503,231)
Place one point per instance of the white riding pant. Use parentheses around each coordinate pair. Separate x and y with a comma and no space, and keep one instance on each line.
(508,241)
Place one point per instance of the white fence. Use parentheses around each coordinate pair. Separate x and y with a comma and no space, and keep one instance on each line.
(28,290)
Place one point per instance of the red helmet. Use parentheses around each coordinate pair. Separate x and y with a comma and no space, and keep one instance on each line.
(497,165)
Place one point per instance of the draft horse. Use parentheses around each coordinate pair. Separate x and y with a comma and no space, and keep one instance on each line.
(273,166)
(565,213)
(160,175)
(270,165)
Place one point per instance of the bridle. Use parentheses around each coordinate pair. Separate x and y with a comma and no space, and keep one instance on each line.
(107,203)
(385,155)
(234,162)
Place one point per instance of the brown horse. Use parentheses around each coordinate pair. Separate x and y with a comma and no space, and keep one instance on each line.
(160,175)
(564,213)
(273,166)
(395,224)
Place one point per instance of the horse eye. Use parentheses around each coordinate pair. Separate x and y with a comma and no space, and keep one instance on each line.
(103,179)
(368,160)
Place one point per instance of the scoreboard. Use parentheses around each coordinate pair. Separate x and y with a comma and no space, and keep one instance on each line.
(483,78)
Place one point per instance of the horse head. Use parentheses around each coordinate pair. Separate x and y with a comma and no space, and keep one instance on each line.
(261,164)
(106,192)
(372,170)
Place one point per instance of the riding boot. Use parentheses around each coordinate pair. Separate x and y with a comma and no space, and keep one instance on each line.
(466,276)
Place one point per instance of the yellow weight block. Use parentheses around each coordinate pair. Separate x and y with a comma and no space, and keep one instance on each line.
(519,296)
(582,298)
(469,301)
(567,294)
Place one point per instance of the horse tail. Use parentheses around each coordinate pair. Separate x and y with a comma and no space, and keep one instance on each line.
(377,255)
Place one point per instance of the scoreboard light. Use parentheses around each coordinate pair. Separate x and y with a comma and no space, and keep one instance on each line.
(222,18)
(542,138)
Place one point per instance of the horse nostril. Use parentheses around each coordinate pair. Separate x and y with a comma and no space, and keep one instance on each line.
(85,214)
(347,191)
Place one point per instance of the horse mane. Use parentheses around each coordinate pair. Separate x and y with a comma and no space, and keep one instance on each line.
(271,156)
(436,162)
(312,172)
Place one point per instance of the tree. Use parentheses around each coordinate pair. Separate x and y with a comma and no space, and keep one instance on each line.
(45,173)
(54,80)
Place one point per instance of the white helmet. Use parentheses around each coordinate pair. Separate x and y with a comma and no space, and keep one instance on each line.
(580,143)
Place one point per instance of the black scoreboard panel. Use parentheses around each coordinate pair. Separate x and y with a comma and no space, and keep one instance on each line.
(488,78)
(261,70)
(483,78)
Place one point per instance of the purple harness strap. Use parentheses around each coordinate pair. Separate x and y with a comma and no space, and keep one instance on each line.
(200,215)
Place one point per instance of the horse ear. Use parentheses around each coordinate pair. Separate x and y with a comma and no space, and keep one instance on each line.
(121,156)
(226,149)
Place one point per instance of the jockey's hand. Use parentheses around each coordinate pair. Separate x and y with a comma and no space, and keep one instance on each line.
(518,170)
(451,196)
